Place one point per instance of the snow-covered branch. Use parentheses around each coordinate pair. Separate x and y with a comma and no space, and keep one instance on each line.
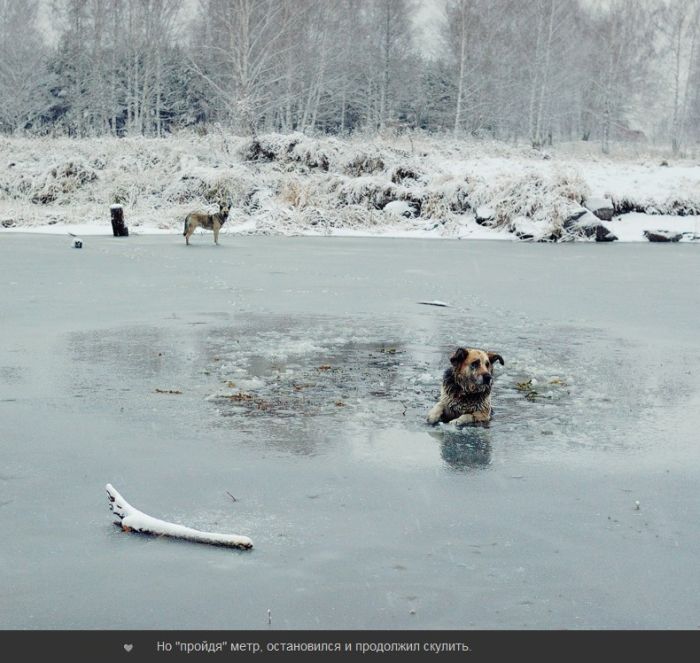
(131,519)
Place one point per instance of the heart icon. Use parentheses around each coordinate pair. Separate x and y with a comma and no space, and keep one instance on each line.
(128,647)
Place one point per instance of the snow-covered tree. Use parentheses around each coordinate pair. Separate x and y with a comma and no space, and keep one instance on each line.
(536,71)
(623,34)
(680,23)
(24,77)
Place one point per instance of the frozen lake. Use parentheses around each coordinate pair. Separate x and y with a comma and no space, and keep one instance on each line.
(301,371)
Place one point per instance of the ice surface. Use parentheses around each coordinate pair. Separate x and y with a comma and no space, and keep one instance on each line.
(295,375)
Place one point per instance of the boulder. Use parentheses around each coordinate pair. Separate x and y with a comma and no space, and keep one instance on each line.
(583,223)
(662,236)
(525,229)
(400,208)
(602,234)
(601,207)
(484,215)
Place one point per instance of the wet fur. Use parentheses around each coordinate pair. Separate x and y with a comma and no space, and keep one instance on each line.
(465,395)
(213,222)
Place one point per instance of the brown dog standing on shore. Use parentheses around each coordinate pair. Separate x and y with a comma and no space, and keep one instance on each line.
(209,221)
(465,395)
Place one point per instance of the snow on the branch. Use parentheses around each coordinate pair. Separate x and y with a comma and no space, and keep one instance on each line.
(131,519)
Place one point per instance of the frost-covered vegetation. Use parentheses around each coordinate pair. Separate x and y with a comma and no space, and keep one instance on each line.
(294,184)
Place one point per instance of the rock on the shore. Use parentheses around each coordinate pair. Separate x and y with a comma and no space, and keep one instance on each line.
(484,215)
(601,207)
(662,236)
(583,223)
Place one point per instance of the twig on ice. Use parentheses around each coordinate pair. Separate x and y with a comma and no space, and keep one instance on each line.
(131,519)
(436,303)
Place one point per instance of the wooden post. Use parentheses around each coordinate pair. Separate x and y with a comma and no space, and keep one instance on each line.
(118,227)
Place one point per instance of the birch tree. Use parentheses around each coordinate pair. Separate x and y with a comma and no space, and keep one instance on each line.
(245,49)
(24,78)
(681,25)
(624,46)
(389,43)
(461,16)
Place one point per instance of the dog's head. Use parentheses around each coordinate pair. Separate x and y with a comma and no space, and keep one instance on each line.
(224,209)
(473,369)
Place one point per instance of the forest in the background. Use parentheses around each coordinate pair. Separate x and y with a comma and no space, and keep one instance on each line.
(542,71)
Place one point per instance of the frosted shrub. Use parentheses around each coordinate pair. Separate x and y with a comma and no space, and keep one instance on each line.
(63,179)
(318,219)
(375,193)
(276,221)
(290,149)
(294,192)
(364,163)
(399,174)
(570,184)
(125,194)
(446,197)
(312,154)
(533,205)
(354,216)
(185,189)
(674,205)
(436,206)
(269,147)
(236,182)
(257,199)
(684,206)
(15,185)
(324,184)
(218,190)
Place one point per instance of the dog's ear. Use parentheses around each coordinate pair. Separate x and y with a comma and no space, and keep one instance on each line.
(458,357)
(494,357)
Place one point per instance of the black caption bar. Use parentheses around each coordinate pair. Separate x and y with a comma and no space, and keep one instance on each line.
(166,646)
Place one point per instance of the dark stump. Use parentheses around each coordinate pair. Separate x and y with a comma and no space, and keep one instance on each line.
(119,229)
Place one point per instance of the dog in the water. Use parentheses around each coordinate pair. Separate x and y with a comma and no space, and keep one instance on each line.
(465,395)
(204,220)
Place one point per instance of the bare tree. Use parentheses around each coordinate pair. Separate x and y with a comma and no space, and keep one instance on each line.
(539,71)
(243,55)
(681,26)
(112,63)
(24,79)
(461,14)
(624,44)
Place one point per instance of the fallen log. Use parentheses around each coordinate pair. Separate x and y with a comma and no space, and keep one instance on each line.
(131,519)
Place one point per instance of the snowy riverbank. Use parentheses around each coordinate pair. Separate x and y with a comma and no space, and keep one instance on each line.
(403,186)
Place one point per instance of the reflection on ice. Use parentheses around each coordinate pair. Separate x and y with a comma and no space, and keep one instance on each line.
(468,448)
